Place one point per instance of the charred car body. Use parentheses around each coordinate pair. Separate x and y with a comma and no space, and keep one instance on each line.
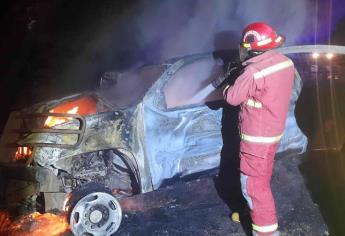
(140,129)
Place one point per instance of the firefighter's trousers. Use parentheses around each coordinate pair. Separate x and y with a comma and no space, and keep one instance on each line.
(256,171)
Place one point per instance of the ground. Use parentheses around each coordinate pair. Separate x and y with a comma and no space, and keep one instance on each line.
(194,207)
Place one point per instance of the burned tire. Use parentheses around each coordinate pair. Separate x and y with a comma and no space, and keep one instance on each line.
(94,211)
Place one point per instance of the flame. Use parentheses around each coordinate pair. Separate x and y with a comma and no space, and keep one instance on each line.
(65,205)
(5,223)
(23,153)
(37,224)
(52,120)
(82,106)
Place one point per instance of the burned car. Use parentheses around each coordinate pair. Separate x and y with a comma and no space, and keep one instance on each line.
(140,129)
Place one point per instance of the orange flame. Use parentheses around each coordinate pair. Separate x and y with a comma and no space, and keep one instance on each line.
(37,224)
(5,223)
(23,153)
(83,106)
(52,120)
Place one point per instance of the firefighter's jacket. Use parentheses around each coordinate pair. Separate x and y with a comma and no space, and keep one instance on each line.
(263,91)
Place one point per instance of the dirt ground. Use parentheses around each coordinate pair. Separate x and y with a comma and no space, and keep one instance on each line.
(194,207)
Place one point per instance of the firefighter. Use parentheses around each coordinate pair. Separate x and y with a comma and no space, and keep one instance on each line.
(263,92)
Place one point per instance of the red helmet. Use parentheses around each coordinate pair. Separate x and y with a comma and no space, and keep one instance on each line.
(260,36)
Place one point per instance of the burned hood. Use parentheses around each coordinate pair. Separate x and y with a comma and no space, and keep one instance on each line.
(103,131)
(72,125)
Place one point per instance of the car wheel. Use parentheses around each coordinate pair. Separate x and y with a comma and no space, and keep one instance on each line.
(94,212)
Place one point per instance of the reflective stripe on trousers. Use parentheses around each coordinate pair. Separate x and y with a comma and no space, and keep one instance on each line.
(259,139)
(265,229)
(275,233)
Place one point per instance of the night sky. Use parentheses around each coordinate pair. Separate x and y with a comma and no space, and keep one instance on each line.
(40,41)
(54,48)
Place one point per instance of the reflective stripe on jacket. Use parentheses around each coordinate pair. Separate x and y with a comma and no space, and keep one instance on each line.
(263,90)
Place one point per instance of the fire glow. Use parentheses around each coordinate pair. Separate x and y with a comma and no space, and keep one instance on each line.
(81,106)
(37,224)
(23,153)
(52,120)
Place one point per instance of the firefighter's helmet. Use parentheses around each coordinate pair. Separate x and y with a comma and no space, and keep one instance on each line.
(260,36)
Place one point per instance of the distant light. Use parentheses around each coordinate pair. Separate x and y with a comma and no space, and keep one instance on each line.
(315,55)
(329,55)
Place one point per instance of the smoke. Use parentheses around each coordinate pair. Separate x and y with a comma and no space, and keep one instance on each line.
(155,30)
(166,29)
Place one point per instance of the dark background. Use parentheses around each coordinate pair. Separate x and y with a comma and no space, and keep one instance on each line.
(41,42)
(50,49)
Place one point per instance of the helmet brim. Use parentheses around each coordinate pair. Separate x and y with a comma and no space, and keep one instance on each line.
(276,43)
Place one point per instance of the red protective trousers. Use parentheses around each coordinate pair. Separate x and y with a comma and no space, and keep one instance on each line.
(256,172)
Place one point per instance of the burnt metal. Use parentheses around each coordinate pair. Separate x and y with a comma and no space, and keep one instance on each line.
(80,131)
(107,167)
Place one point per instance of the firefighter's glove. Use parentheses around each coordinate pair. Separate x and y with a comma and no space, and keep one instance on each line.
(231,74)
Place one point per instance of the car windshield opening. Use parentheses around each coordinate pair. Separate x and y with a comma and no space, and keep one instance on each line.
(129,88)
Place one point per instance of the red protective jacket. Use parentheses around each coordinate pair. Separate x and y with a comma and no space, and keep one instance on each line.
(263,90)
